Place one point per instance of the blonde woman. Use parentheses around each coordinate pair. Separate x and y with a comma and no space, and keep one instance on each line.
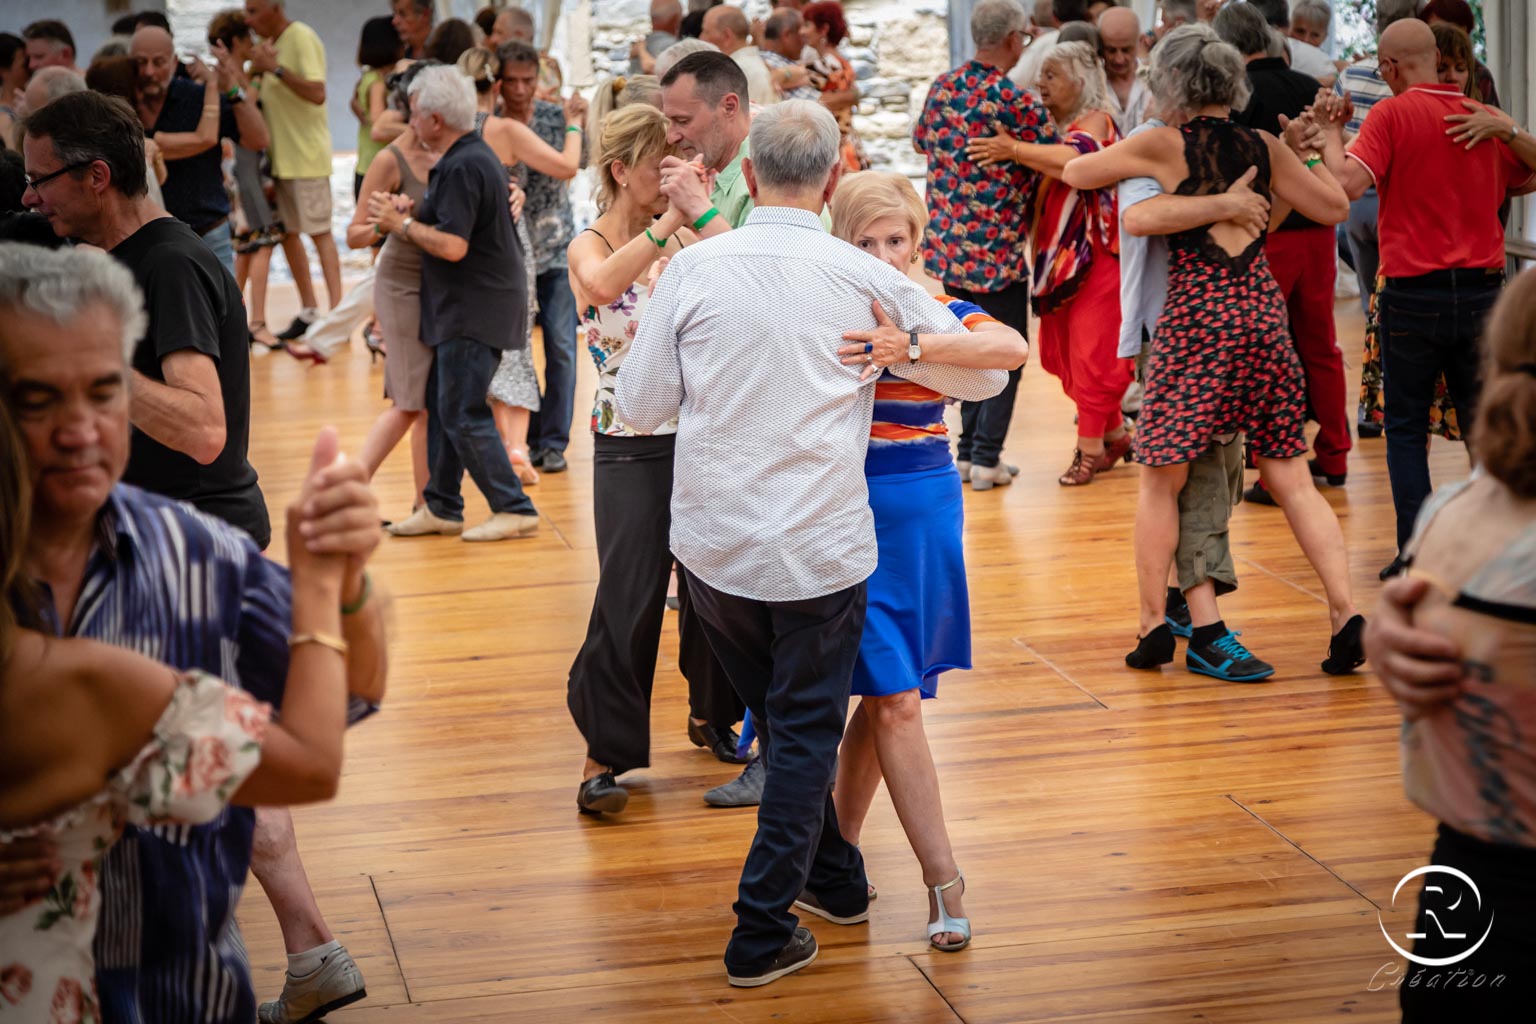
(918,621)
(610,683)
(615,94)
(1076,258)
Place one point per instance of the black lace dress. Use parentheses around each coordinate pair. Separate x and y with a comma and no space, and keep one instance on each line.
(1222,358)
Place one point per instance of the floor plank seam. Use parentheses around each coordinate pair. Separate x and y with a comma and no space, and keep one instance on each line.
(1048,663)
(1276,576)
(1299,849)
(389,933)
(558,533)
(936,990)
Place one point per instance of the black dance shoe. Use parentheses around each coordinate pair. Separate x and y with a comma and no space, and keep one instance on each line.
(1152,650)
(1346,651)
(723,747)
(601,794)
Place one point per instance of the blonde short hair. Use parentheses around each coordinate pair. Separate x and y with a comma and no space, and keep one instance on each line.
(629,136)
(867,196)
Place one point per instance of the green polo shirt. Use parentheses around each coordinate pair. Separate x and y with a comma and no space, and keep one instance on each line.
(732,198)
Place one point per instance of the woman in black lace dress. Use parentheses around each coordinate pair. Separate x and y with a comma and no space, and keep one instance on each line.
(1222,359)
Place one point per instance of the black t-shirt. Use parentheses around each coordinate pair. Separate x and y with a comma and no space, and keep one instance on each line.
(1277,90)
(193,304)
(194,185)
(482,297)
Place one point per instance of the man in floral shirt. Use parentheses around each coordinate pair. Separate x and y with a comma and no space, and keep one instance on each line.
(979,217)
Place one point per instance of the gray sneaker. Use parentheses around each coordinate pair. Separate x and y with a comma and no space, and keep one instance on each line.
(745,790)
(335,983)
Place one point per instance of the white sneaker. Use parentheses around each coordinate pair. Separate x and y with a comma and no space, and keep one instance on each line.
(984,478)
(335,983)
(502,526)
(423,522)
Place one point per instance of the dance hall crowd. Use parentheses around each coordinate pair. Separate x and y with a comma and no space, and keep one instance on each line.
(1170,204)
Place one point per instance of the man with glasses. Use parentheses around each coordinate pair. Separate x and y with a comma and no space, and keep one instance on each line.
(548,213)
(979,217)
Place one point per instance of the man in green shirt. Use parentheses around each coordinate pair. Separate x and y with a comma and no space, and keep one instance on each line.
(705,99)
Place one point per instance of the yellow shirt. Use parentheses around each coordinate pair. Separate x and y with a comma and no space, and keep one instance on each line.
(300,130)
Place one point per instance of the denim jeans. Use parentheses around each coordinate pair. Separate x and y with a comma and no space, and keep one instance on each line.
(1363,246)
(792,663)
(1426,331)
(461,433)
(222,242)
(984,425)
(549,429)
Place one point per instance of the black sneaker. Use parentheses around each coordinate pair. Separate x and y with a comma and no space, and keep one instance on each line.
(800,952)
(1227,659)
(1176,614)
(1319,477)
(295,330)
(1368,430)
(1394,568)
(1257,495)
(553,461)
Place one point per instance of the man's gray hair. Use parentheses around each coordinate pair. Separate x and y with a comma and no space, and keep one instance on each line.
(60,284)
(993,20)
(795,145)
(1318,12)
(782,22)
(447,92)
(1244,27)
(1388,11)
(1192,68)
(1179,8)
(57,81)
(669,58)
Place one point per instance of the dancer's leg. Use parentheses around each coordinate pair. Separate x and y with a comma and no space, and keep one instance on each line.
(1316,529)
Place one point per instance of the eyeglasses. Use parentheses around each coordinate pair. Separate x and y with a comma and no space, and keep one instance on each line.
(37,183)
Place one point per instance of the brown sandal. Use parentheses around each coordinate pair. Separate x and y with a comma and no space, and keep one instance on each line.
(1081,471)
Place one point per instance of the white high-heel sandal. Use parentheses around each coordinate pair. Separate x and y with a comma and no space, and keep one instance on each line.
(945,923)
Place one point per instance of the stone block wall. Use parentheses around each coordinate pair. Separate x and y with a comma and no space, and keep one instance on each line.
(897,48)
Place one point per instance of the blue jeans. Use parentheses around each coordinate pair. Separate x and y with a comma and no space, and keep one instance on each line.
(549,429)
(461,433)
(222,241)
(1426,331)
(792,663)
(984,425)
(1361,231)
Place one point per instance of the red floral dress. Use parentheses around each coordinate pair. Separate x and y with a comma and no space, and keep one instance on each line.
(205,744)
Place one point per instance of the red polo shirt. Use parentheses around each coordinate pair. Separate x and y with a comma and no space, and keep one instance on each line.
(1439,200)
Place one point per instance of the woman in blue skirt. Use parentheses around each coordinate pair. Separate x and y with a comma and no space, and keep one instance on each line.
(918,623)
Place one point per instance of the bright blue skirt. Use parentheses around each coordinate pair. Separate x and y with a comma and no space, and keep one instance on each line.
(919,619)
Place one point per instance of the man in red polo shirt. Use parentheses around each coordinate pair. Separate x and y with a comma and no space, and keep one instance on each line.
(1442,248)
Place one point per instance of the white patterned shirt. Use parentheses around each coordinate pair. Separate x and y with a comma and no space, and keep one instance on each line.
(740,343)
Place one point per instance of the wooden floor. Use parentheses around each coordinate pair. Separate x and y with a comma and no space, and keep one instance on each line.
(1139,847)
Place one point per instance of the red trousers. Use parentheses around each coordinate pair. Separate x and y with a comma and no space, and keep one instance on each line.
(1078,344)
(1304,263)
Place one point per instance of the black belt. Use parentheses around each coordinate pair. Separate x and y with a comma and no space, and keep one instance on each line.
(1489,277)
(211,225)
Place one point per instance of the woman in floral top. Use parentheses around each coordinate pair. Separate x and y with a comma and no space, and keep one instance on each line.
(173,747)
(610,684)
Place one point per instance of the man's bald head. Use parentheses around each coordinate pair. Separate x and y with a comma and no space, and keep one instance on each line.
(1407,54)
(666,15)
(48,84)
(727,27)
(154,56)
(1119,30)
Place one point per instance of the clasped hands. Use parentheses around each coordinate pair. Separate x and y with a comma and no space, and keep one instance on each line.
(387,211)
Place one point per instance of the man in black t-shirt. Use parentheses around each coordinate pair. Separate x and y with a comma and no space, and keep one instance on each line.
(194,182)
(191,386)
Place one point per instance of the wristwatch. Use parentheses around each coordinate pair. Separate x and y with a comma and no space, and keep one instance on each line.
(277,72)
(405,226)
(914,350)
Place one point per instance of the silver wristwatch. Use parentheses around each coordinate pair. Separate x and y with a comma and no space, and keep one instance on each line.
(914,350)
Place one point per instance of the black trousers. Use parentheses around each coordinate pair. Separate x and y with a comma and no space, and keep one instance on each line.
(984,424)
(792,662)
(1497,982)
(609,693)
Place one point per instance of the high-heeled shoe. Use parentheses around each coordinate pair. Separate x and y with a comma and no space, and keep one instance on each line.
(1114,451)
(373,338)
(945,923)
(522,466)
(304,354)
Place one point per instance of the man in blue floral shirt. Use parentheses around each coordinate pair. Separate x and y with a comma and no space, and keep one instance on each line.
(979,217)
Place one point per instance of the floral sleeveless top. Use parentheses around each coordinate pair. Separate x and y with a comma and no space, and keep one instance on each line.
(610,331)
(205,744)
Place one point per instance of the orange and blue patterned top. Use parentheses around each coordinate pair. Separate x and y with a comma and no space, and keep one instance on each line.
(908,434)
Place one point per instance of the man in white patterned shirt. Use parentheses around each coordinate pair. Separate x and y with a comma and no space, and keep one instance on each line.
(770,512)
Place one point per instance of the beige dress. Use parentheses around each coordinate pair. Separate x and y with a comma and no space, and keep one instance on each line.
(397,304)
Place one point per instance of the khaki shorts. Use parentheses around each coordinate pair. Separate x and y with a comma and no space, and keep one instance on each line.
(304,205)
(1215,484)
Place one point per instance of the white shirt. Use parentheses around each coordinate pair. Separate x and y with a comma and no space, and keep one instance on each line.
(1026,73)
(760,88)
(1309,60)
(740,343)
(1134,111)
(1143,264)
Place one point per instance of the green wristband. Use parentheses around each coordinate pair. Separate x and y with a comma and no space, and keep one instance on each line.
(661,244)
(714,212)
(362,599)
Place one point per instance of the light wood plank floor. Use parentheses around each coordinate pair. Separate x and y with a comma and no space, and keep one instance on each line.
(1139,847)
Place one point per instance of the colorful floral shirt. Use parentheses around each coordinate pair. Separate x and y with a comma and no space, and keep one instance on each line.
(204,745)
(978,217)
(610,331)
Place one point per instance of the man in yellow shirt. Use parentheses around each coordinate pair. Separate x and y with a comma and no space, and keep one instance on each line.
(291,64)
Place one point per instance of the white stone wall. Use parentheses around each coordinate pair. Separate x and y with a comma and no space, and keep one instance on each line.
(897,48)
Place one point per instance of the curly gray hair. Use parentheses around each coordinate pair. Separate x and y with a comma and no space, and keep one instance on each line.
(1192,68)
(1078,60)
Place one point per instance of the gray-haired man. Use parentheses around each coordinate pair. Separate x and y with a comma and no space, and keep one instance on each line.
(777,560)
